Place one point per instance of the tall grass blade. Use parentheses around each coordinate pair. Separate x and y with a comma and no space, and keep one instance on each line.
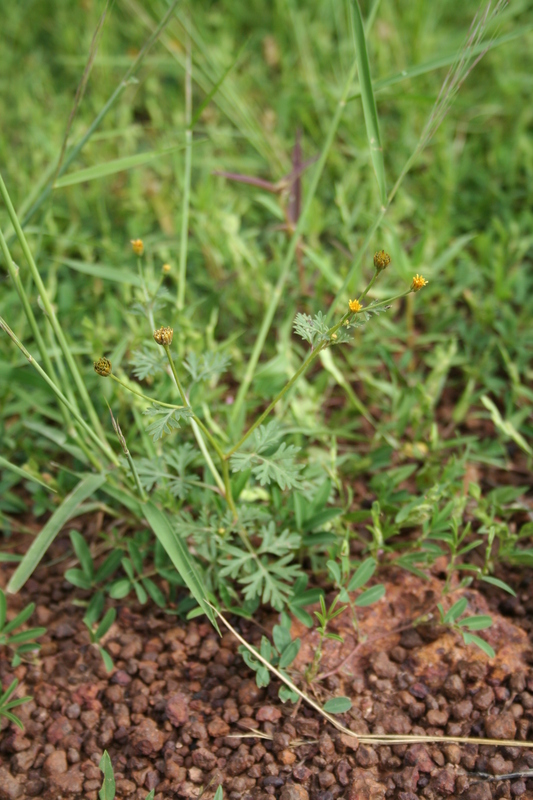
(85,488)
(369,102)
(112,167)
(179,555)
(23,473)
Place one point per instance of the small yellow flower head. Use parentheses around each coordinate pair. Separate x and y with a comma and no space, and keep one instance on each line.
(418,283)
(381,260)
(103,367)
(355,306)
(334,336)
(137,245)
(166,268)
(163,336)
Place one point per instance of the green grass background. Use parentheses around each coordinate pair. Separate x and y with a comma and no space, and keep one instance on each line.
(463,218)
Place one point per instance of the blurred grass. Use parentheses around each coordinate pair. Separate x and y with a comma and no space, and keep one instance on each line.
(461,218)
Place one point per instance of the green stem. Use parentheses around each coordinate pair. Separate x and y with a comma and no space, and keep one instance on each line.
(287,262)
(145,396)
(145,292)
(184,236)
(199,427)
(59,394)
(301,369)
(370,285)
(56,327)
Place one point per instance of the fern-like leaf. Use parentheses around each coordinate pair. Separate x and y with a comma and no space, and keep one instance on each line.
(164,420)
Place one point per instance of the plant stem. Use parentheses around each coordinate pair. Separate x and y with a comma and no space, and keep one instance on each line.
(287,262)
(198,426)
(145,292)
(145,396)
(59,394)
(184,236)
(301,369)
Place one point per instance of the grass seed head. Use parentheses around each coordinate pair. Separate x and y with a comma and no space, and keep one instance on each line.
(163,336)
(103,367)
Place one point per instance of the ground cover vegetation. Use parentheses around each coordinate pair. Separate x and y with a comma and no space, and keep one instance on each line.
(266,302)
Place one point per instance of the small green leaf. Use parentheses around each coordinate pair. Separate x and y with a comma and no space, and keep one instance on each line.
(108,661)
(476,623)
(78,578)
(155,592)
(456,610)
(338,705)
(371,596)
(81,548)
(120,589)
(499,583)
(282,637)
(107,792)
(106,623)
(20,619)
(335,571)
(289,653)
(219,794)
(362,574)
(471,638)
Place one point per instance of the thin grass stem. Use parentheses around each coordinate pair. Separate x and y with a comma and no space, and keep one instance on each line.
(56,327)
(185,208)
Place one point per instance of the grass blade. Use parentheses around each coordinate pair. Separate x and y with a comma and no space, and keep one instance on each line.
(112,167)
(369,102)
(103,271)
(23,473)
(85,488)
(179,555)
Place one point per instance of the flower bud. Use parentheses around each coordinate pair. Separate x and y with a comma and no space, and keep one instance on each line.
(166,268)
(163,336)
(103,367)
(137,245)
(381,260)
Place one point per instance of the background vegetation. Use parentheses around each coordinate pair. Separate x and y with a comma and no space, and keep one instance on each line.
(414,436)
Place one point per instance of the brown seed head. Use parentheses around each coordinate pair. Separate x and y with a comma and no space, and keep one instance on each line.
(103,367)
(137,245)
(381,260)
(163,336)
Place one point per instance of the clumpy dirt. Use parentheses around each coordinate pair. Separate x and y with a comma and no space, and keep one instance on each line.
(181,712)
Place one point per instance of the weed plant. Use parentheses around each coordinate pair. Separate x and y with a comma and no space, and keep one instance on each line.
(248,405)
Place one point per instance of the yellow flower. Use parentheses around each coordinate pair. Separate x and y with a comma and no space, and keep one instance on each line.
(166,267)
(418,283)
(137,245)
(103,367)
(163,336)
(381,260)
(355,306)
